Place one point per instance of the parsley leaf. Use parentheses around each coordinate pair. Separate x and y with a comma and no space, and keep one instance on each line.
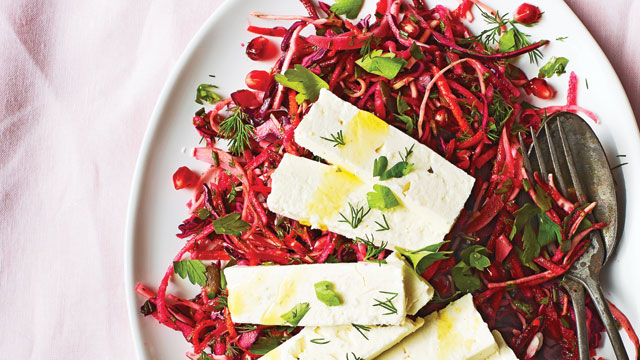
(386,65)
(476,257)
(421,259)
(194,269)
(523,216)
(530,244)
(296,314)
(380,166)
(402,104)
(464,278)
(230,225)
(555,65)
(325,293)
(205,93)
(548,231)
(398,170)
(507,41)
(349,8)
(381,198)
(302,80)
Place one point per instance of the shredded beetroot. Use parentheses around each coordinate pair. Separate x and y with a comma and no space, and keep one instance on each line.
(463,102)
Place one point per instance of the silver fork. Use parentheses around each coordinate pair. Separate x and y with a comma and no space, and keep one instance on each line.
(585,272)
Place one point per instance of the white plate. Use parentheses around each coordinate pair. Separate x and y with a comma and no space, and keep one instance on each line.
(156,209)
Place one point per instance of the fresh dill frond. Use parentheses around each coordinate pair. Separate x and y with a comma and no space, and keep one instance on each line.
(320,341)
(361,329)
(373,251)
(387,304)
(384,227)
(357,215)
(237,130)
(337,139)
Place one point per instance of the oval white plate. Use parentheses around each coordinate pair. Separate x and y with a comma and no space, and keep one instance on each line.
(156,209)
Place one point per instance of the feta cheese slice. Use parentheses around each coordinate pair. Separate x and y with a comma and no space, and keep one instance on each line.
(504,351)
(417,290)
(317,194)
(262,294)
(434,187)
(342,342)
(456,332)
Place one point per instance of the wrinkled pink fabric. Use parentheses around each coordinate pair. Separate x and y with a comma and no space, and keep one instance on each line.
(78,82)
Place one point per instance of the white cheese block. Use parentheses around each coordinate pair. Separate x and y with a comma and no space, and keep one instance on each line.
(262,294)
(418,291)
(456,332)
(504,351)
(316,194)
(342,342)
(435,188)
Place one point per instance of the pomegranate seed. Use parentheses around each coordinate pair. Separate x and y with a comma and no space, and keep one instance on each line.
(258,80)
(245,99)
(184,178)
(540,88)
(527,14)
(409,27)
(260,48)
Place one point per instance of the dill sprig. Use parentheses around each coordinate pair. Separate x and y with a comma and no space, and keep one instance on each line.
(237,130)
(320,341)
(337,139)
(384,227)
(387,304)
(357,215)
(362,328)
(515,38)
(355,357)
(407,153)
(373,251)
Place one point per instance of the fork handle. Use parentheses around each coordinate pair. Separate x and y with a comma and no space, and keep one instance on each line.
(576,291)
(605,314)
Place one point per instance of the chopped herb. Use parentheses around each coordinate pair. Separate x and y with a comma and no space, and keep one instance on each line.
(586,82)
(302,80)
(237,130)
(416,52)
(203,214)
(402,104)
(337,139)
(381,198)
(357,215)
(206,93)
(320,341)
(387,304)
(555,65)
(194,269)
(464,278)
(362,328)
(244,328)
(387,65)
(562,38)
(380,166)
(511,40)
(348,8)
(296,314)
(230,224)
(476,257)
(326,294)
(204,355)
(421,259)
(355,357)
(621,155)
(373,252)
(384,227)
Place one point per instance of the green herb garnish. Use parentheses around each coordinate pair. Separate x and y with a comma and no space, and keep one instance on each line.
(357,215)
(361,329)
(206,93)
(421,259)
(387,303)
(381,198)
(337,139)
(326,294)
(320,341)
(296,314)
(230,224)
(302,80)
(237,130)
(555,65)
(384,227)
(348,8)
(387,65)
(194,269)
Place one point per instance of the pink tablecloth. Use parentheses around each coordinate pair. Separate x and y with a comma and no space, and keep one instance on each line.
(78,82)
